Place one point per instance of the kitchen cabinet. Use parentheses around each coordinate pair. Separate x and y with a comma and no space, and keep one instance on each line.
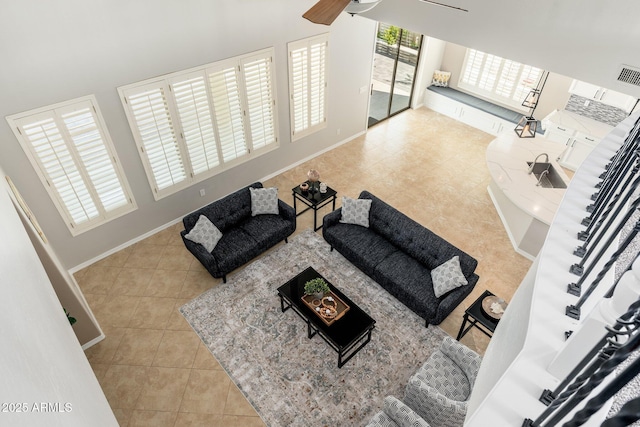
(466,114)
(578,134)
(578,148)
(604,95)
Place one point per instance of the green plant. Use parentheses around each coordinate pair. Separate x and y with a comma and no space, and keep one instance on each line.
(72,320)
(315,286)
(391,35)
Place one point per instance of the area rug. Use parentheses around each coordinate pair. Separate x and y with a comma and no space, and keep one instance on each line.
(294,381)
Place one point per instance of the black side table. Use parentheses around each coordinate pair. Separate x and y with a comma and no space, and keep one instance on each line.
(313,200)
(476,316)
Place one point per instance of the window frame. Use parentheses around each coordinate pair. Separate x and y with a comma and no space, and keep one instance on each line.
(239,111)
(55,112)
(499,81)
(309,127)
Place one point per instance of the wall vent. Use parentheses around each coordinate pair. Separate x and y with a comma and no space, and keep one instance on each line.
(629,75)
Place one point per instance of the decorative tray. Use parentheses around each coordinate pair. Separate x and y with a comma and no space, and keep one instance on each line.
(494,306)
(330,308)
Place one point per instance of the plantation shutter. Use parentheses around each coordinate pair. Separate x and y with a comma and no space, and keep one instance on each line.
(299,89)
(489,74)
(317,82)
(508,77)
(473,66)
(308,85)
(195,114)
(227,105)
(192,124)
(503,80)
(259,87)
(82,126)
(60,168)
(150,112)
(70,148)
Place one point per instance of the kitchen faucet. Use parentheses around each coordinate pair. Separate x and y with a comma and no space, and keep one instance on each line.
(544,172)
(536,161)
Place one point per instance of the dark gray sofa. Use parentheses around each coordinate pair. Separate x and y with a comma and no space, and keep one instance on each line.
(399,254)
(243,236)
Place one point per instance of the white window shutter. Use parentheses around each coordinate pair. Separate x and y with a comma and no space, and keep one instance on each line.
(227,106)
(259,86)
(70,149)
(154,125)
(317,82)
(193,124)
(308,85)
(195,114)
(60,168)
(473,67)
(98,162)
(497,78)
(299,88)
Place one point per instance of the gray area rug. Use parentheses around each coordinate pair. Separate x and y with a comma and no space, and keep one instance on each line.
(294,381)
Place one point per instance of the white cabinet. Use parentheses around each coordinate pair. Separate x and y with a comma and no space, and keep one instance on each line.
(577,150)
(557,133)
(604,95)
(471,116)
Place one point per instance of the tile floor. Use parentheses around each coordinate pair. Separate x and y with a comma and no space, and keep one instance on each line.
(153,368)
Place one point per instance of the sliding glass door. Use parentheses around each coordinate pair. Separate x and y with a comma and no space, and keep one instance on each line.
(394,71)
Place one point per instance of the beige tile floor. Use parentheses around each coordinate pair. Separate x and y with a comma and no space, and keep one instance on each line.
(153,368)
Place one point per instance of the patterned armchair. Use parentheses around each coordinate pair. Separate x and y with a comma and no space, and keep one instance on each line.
(440,389)
(396,414)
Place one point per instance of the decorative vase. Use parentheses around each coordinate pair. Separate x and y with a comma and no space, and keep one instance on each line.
(318,295)
(304,187)
(314,177)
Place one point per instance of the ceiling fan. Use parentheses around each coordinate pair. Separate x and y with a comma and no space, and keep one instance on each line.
(326,11)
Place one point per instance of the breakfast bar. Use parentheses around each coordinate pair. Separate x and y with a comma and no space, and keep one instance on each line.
(525,208)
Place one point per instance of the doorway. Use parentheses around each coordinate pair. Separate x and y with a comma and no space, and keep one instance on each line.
(394,71)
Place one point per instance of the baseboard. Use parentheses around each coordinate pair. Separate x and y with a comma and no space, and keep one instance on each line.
(94,341)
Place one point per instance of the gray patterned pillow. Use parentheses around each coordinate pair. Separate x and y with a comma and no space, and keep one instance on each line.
(447,276)
(355,211)
(205,232)
(264,201)
(403,415)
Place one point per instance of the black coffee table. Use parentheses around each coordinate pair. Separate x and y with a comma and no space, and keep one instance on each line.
(347,335)
(313,200)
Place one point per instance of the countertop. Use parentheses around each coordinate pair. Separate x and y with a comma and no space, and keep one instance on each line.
(582,124)
(507,158)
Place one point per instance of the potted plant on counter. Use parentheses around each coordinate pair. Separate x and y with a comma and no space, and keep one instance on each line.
(316,287)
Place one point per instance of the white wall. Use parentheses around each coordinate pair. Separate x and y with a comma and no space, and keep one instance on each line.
(584,39)
(55,51)
(41,360)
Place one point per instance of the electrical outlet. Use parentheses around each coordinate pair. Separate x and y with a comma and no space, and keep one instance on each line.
(587,102)
(202,192)
(338,131)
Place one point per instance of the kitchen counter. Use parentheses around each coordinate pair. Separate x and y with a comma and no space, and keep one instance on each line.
(581,124)
(526,209)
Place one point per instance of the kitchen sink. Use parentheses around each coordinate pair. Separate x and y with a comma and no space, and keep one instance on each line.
(551,179)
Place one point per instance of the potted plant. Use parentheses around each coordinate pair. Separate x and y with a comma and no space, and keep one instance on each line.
(316,287)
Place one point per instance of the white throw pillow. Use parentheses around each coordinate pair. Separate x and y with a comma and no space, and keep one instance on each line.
(441,78)
(206,233)
(356,211)
(264,201)
(447,276)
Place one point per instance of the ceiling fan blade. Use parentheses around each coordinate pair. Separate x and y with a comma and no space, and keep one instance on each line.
(444,5)
(325,11)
